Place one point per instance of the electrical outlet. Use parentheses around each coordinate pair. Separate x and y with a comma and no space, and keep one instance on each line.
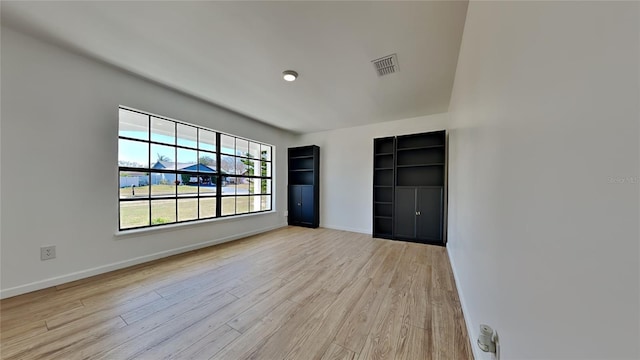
(47,252)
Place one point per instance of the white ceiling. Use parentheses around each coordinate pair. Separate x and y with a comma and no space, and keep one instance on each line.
(233,53)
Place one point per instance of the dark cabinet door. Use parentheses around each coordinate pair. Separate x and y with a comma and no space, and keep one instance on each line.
(429,217)
(418,213)
(295,204)
(405,214)
(301,205)
(307,206)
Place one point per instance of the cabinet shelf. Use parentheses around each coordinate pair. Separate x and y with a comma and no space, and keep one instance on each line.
(383,154)
(302,157)
(420,165)
(383,202)
(383,162)
(383,225)
(420,147)
(296,170)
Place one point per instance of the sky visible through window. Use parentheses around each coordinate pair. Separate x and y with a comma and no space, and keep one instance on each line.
(130,151)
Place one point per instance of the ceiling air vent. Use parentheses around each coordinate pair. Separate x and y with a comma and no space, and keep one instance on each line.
(386,65)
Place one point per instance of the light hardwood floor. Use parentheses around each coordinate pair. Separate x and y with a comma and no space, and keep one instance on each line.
(292,293)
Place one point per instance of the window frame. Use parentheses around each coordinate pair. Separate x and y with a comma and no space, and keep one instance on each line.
(220,178)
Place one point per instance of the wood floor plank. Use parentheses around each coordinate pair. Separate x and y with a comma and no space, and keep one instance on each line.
(301,323)
(173,315)
(253,314)
(100,312)
(416,343)
(136,345)
(176,269)
(60,339)
(187,338)
(449,333)
(208,345)
(247,287)
(291,293)
(382,276)
(18,316)
(309,261)
(34,297)
(180,300)
(312,344)
(442,276)
(23,331)
(134,281)
(357,325)
(337,352)
(375,259)
(245,303)
(382,341)
(256,336)
(406,268)
(357,261)
(420,298)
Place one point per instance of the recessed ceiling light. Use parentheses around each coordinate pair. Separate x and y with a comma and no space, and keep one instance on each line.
(289,75)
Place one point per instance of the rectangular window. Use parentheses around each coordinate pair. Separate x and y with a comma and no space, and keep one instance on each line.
(173,172)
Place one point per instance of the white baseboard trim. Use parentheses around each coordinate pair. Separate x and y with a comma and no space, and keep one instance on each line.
(334,227)
(57,280)
(465,311)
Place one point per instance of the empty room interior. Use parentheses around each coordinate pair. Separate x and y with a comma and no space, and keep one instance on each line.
(320,180)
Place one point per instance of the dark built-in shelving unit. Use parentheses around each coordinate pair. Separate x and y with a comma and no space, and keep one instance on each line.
(304,186)
(409,187)
(383,181)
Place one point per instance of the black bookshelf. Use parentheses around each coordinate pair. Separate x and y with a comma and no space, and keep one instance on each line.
(304,186)
(383,183)
(409,195)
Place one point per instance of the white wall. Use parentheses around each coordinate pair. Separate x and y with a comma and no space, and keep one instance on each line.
(543,166)
(346,168)
(60,121)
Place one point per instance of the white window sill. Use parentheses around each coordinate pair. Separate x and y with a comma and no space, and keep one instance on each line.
(179,226)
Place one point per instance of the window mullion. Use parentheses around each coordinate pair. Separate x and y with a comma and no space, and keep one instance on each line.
(218,176)
(149,165)
(175,151)
(198,170)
